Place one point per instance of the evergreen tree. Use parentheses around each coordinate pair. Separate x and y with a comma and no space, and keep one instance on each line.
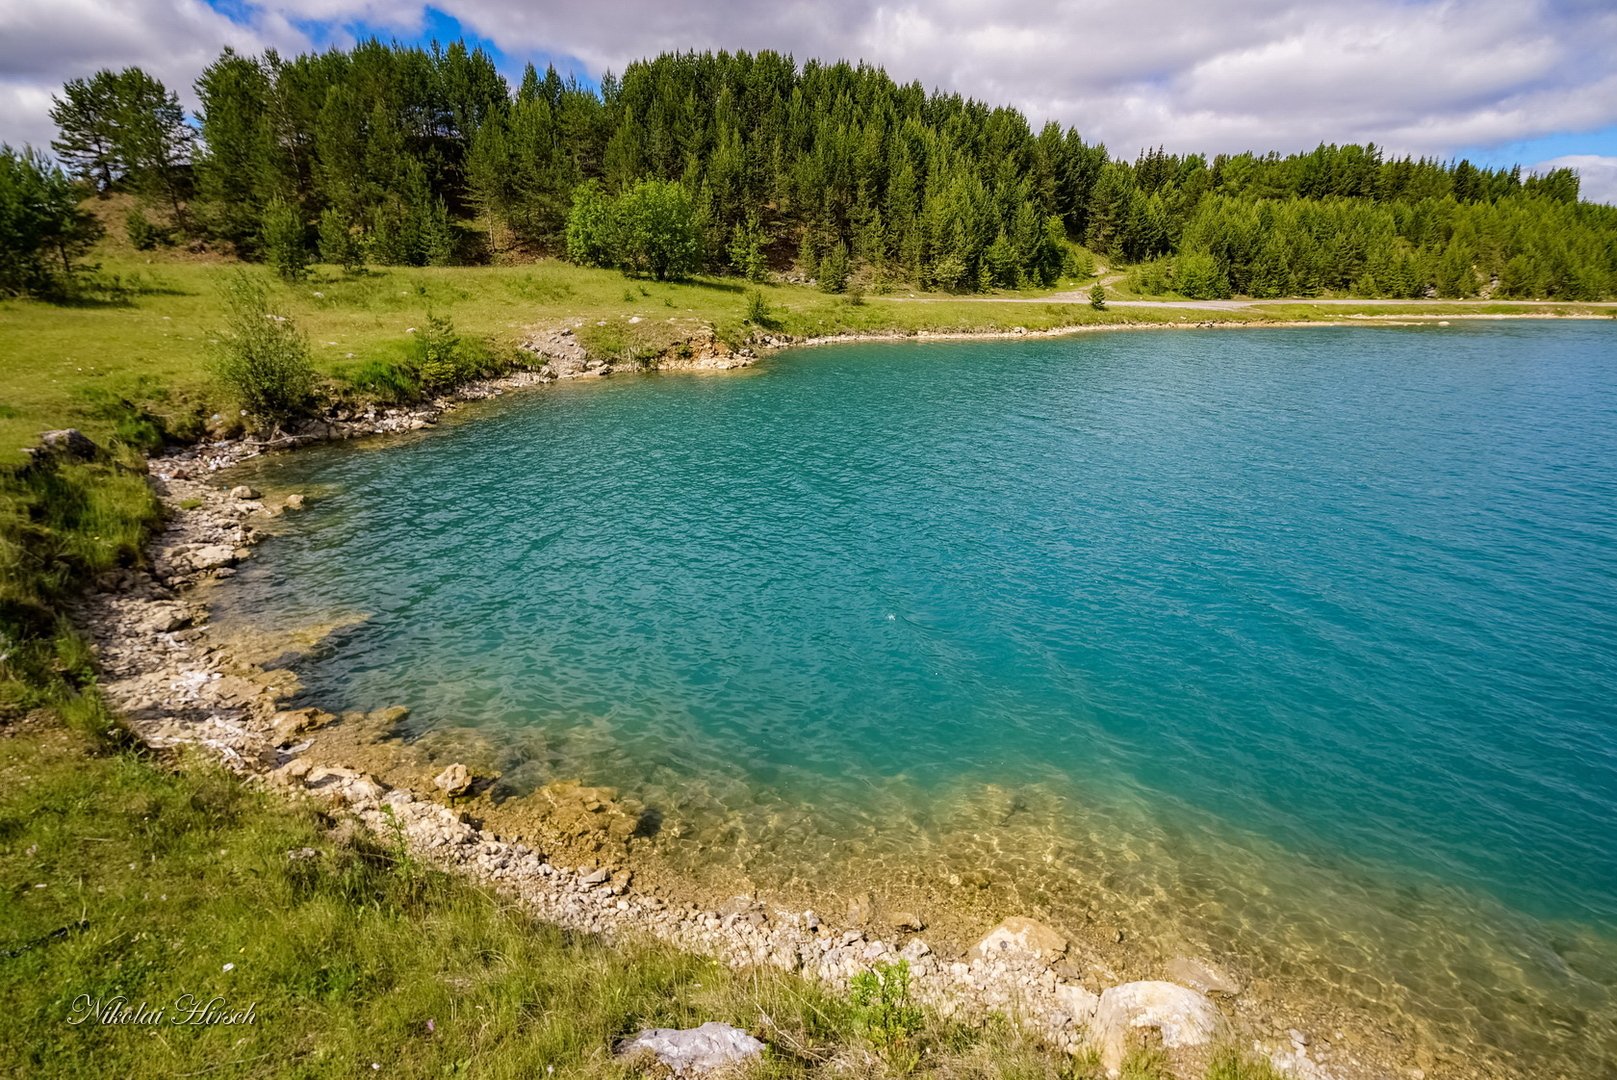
(154,141)
(746,250)
(237,174)
(339,243)
(126,126)
(834,269)
(282,240)
(42,228)
(406,142)
(86,116)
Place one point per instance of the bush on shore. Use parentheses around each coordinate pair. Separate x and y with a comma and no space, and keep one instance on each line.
(261,358)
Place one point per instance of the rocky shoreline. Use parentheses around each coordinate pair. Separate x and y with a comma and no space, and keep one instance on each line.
(179,685)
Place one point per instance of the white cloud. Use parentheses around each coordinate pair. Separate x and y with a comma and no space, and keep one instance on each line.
(42,45)
(1420,76)
(1597,175)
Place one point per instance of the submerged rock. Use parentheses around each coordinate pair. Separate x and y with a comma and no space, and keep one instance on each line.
(1183,1017)
(242,491)
(1020,939)
(695,1051)
(1203,975)
(294,502)
(906,922)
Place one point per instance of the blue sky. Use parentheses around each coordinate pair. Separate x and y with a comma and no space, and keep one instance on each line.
(1499,81)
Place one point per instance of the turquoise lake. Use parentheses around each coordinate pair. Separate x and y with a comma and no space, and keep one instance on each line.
(1294,646)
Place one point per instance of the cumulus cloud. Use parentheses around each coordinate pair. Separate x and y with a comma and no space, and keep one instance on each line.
(1419,76)
(42,45)
(1597,174)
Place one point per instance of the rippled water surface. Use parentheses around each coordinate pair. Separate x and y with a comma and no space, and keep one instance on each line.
(1298,646)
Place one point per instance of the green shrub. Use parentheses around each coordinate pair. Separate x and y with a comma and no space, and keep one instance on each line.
(882,1006)
(439,362)
(591,239)
(1229,1064)
(651,228)
(1152,278)
(133,424)
(1097,296)
(390,381)
(143,235)
(758,312)
(1079,263)
(261,358)
(1146,1063)
(282,237)
(656,230)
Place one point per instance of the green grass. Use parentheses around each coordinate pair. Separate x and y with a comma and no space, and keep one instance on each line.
(129,879)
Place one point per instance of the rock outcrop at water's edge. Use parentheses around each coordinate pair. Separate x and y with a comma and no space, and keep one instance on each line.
(179,686)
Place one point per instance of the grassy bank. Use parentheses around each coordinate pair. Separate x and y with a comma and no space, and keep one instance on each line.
(133,880)
(141,341)
(136,880)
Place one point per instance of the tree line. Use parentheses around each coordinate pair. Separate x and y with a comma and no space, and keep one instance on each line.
(746,163)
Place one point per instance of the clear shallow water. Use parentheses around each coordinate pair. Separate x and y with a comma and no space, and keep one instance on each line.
(1299,646)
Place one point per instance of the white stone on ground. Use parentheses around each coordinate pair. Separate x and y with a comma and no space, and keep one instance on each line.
(695,1051)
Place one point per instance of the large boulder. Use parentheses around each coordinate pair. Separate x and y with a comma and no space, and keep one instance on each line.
(1184,1018)
(69,442)
(697,1051)
(1021,940)
(1078,1003)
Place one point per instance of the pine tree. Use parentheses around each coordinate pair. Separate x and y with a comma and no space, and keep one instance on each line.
(236,172)
(42,228)
(87,119)
(834,269)
(283,242)
(747,249)
(339,243)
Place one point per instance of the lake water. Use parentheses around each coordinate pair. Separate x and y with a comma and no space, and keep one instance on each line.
(1297,647)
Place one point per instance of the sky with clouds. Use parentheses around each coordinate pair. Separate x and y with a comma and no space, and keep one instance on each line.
(1502,81)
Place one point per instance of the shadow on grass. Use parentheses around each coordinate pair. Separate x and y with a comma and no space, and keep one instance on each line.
(91,288)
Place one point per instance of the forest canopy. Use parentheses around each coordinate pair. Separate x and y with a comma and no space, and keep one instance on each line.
(739,163)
